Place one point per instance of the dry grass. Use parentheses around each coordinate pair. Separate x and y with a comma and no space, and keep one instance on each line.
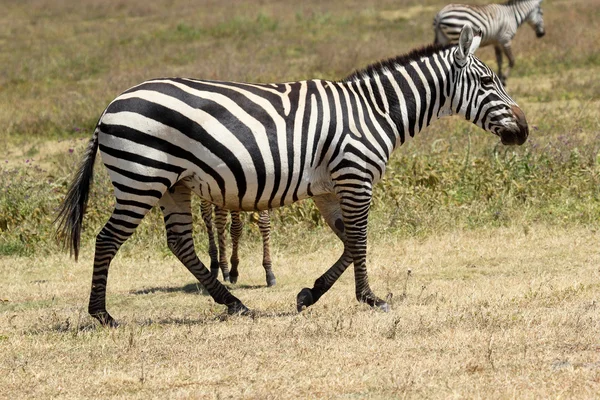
(491,314)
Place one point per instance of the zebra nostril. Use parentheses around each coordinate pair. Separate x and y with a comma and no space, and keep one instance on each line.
(523,128)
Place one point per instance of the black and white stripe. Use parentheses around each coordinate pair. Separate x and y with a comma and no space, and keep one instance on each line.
(498,24)
(255,146)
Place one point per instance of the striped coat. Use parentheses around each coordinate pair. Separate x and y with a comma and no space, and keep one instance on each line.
(247,146)
(498,24)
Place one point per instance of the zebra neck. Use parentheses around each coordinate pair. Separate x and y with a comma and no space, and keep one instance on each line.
(521,10)
(405,94)
(416,94)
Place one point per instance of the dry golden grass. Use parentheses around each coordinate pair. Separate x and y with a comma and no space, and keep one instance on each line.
(493,312)
(506,313)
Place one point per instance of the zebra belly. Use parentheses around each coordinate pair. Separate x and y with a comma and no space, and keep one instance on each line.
(310,184)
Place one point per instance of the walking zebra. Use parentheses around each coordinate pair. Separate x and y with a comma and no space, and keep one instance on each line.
(218,258)
(258,146)
(498,24)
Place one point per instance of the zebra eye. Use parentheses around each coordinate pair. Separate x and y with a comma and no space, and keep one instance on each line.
(487,80)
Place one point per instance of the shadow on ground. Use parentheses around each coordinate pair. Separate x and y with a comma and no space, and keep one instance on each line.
(189,288)
(194,287)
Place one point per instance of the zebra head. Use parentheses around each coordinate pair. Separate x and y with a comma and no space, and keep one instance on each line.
(479,95)
(535,19)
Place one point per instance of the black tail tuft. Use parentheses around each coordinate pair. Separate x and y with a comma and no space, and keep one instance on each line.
(70,215)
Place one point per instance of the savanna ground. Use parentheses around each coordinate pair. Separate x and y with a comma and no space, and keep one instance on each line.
(491,252)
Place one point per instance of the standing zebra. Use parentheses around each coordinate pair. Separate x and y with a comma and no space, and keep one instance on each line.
(498,24)
(218,258)
(258,146)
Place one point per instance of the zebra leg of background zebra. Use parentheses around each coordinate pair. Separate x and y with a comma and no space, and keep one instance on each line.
(220,222)
(498,51)
(126,216)
(511,61)
(329,207)
(264,225)
(207,210)
(177,210)
(236,232)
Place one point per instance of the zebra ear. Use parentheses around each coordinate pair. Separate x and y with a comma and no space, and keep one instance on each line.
(465,43)
(476,40)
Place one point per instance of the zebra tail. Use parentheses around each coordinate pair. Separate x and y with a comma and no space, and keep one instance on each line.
(70,215)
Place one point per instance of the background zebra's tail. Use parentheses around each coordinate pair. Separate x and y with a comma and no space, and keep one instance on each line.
(70,215)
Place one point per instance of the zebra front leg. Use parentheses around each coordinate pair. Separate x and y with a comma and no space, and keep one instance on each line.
(355,206)
(177,211)
(329,207)
(207,210)
(220,222)
(236,232)
(125,218)
(498,50)
(264,225)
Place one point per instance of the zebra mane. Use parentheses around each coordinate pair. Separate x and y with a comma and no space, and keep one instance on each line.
(511,2)
(391,63)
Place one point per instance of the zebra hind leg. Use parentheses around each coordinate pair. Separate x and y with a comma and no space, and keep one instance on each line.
(236,232)
(125,218)
(220,222)
(207,210)
(264,225)
(177,211)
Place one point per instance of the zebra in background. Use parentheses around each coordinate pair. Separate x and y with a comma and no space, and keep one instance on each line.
(259,146)
(498,24)
(218,258)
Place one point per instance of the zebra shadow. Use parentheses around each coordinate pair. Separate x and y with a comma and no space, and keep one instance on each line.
(192,288)
(245,286)
(206,320)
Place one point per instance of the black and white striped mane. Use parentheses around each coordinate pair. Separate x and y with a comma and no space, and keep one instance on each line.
(392,63)
(511,2)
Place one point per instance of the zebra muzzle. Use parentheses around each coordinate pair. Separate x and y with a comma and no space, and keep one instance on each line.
(520,133)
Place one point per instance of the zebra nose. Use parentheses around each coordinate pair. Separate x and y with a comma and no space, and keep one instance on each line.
(517,135)
(540,33)
(523,132)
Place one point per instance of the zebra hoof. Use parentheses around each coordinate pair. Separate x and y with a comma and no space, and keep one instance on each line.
(376,302)
(233,279)
(238,309)
(271,281)
(228,278)
(304,299)
(105,319)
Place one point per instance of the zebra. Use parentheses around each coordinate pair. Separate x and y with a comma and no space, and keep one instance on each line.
(218,258)
(498,24)
(248,146)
